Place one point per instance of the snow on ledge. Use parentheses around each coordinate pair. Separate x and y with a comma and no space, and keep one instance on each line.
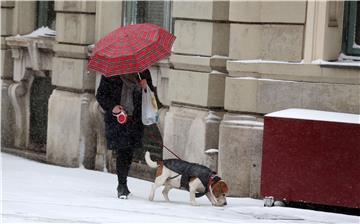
(42,32)
(316,115)
(211,151)
(260,61)
(261,79)
(340,63)
(344,57)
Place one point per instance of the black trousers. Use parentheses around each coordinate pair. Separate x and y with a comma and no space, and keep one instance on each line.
(123,163)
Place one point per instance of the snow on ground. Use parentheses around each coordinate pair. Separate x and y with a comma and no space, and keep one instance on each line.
(41,193)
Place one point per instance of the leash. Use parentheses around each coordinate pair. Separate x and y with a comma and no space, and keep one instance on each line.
(212,178)
(163,146)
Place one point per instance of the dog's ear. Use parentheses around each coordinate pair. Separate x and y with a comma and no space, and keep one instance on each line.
(224,187)
(220,188)
(216,190)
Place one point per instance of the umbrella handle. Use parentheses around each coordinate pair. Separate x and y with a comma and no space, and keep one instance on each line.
(140,80)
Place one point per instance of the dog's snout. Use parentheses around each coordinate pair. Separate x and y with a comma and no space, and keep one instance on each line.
(225,203)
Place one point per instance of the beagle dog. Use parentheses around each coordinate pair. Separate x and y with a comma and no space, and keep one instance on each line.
(199,180)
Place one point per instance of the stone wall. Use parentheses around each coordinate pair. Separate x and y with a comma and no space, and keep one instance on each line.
(6,73)
(267,30)
(197,80)
(14,88)
(258,31)
(291,86)
(71,136)
(240,153)
(246,58)
(271,68)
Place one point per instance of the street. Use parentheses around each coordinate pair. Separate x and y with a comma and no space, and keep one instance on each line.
(33,192)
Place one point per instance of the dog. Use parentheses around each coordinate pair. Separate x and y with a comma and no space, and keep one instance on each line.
(199,180)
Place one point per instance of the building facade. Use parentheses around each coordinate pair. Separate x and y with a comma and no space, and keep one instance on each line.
(232,63)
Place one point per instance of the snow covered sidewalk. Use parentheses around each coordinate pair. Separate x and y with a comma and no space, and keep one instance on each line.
(41,193)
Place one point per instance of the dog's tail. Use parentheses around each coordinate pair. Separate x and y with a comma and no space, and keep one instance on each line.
(149,162)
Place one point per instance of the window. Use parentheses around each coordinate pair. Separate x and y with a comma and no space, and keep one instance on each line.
(159,13)
(46,14)
(351,44)
(40,92)
(156,12)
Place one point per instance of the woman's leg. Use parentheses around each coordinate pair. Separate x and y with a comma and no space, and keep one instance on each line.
(123,163)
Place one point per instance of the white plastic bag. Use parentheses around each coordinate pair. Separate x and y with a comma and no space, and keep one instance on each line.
(150,113)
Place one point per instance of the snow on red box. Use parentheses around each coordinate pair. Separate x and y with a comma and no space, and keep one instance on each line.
(312,156)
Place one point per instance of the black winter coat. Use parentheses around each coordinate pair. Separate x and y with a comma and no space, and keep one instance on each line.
(121,136)
(189,170)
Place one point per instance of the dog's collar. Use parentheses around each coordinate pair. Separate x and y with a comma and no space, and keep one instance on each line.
(213,178)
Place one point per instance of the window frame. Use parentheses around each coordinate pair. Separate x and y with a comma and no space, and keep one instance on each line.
(130,14)
(349,29)
(43,13)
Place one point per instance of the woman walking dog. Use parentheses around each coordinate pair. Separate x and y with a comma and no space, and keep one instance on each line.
(120,97)
(120,56)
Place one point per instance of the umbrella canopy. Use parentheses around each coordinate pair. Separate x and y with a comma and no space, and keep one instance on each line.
(131,49)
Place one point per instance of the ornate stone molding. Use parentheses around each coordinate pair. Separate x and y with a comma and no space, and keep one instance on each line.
(96,117)
(32,57)
(7,115)
(87,150)
(31,53)
(20,100)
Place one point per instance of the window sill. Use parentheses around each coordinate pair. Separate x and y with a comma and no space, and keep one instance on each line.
(39,42)
(317,71)
(340,64)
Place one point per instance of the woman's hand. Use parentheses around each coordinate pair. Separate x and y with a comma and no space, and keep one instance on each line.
(143,83)
(117,109)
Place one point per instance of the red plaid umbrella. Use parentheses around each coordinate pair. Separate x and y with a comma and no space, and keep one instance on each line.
(131,49)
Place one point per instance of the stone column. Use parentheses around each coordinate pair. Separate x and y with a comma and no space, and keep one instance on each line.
(14,100)
(108,17)
(323,30)
(197,81)
(259,31)
(240,153)
(31,57)
(190,132)
(70,135)
(7,111)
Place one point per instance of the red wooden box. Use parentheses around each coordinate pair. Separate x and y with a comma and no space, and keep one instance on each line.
(312,156)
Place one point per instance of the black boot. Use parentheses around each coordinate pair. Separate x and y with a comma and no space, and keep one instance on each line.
(123,162)
(123,191)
